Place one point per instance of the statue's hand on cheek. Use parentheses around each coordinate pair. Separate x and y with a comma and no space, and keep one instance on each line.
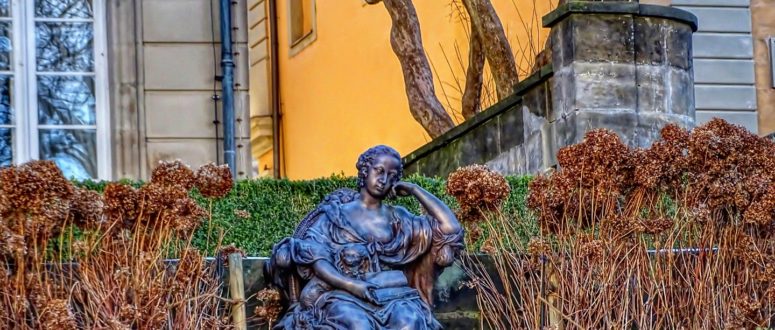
(403,189)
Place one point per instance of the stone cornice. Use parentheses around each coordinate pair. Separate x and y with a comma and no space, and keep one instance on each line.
(633,8)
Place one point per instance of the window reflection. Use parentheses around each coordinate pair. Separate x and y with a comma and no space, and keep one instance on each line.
(5,8)
(5,45)
(63,8)
(74,151)
(64,46)
(64,100)
(6,146)
(6,111)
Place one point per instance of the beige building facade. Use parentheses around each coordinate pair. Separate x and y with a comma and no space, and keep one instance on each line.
(733,68)
(108,88)
(165,61)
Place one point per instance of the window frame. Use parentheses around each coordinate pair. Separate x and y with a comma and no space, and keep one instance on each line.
(296,46)
(25,97)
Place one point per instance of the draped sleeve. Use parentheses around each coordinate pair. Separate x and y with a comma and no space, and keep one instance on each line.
(446,247)
(418,235)
(301,253)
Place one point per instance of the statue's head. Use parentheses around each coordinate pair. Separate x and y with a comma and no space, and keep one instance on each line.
(378,169)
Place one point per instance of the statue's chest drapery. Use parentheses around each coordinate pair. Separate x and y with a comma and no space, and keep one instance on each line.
(379,230)
(387,242)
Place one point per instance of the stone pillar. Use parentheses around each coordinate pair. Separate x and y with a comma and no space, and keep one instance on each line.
(622,66)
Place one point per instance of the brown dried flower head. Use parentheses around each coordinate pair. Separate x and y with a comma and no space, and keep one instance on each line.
(657,226)
(270,306)
(550,196)
(87,209)
(477,188)
(730,169)
(49,219)
(592,250)
(242,214)
(601,161)
(744,247)
(173,173)
(122,203)
(762,211)
(214,181)
(57,314)
(187,215)
(626,226)
(538,247)
(5,203)
(488,246)
(661,166)
(12,244)
(30,186)
(157,197)
(228,250)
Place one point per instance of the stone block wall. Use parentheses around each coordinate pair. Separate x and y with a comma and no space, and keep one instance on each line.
(623,66)
(509,137)
(626,67)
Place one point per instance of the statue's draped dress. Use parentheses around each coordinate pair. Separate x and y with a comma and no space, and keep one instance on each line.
(417,247)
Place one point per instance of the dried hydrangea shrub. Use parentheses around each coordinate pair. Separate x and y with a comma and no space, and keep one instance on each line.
(729,168)
(213,180)
(660,167)
(270,306)
(87,209)
(477,189)
(158,197)
(122,203)
(188,215)
(174,173)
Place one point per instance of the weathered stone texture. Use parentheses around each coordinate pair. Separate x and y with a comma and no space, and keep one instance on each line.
(624,67)
(628,73)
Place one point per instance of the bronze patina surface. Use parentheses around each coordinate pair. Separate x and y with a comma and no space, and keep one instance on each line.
(356,263)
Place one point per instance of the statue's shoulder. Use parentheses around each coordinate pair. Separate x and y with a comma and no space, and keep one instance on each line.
(401,212)
(330,204)
(340,196)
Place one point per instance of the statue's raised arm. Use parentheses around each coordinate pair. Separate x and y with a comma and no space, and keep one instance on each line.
(356,263)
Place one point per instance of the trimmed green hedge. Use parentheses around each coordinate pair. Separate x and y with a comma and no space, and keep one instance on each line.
(274,207)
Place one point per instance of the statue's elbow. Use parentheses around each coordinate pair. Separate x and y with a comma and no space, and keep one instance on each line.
(282,256)
(445,256)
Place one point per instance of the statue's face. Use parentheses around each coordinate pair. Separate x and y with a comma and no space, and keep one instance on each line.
(382,174)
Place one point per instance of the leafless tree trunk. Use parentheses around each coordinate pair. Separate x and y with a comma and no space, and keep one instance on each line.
(406,40)
(472,94)
(488,28)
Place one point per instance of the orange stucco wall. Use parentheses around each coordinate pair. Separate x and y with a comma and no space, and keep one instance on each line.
(344,92)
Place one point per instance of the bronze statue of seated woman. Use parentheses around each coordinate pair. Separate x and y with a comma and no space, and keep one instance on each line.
(356,263)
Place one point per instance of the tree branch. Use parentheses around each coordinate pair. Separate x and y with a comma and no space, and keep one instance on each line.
(472,94)
(406,41)
(485,21)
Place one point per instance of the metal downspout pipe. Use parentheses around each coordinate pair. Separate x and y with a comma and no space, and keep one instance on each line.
(275,89)
(227,84)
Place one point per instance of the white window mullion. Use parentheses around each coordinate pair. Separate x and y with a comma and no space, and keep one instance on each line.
(67,20)
(29,71)
(68,73)
(104,157)
(21,151)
